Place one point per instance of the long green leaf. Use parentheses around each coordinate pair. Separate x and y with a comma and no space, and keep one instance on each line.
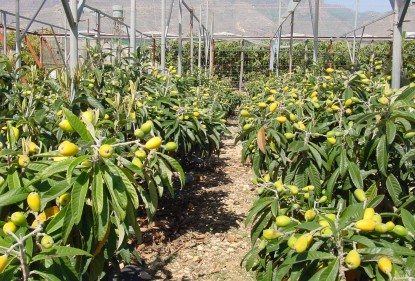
(394,189)
(60,251)
(77,125)
(78,196)
(382,155)
(355,175)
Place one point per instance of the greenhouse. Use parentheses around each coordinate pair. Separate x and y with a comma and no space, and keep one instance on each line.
(207,140)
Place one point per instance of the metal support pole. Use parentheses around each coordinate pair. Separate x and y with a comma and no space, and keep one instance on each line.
(18,38)
(207,35)
(277,55)
(4,33)
(191,43)
(241,72)
(180,47)
(354,33)
(133,42)
(154,52)
(397,49)
(99,31)
(315,26)
(212,49)
(73,52)
(163,35)
(291,42)
(199,55)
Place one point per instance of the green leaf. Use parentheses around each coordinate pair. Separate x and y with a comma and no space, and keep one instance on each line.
(394,189)
(408,95)
(355,175)
(382,155)
(78,196)
(331,183)
(343,165)
(408,221)
(13,180)
(390,131)
(60,251)
(175,165)
(77,125)
(97,191)
(76,161)
(57,222)
(46,276)
(13,196)
(309,256)
(331,271)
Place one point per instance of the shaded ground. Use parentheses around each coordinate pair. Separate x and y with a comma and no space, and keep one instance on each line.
(200,235)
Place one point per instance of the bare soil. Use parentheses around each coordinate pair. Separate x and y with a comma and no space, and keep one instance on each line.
(201,233)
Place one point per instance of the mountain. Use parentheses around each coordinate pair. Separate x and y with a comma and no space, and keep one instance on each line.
(242,17)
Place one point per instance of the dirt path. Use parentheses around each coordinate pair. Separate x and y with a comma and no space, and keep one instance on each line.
(200,235)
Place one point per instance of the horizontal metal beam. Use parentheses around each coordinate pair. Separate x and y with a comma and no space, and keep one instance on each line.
(366,24)
(37,21)
(114,19)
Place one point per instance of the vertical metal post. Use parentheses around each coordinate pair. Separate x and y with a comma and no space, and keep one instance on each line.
(163,35)
(397,49)
(4,33)
(66,41)
(18,39)
(207,35)
(315,25)
(191,43)
(74,38)
(212,49)
(199,55)
(41,49)
(277,55)
(354,33)
(241,72)
(279,38)
(99,31)
(291,42)
(154,52)
(133,42)
(180,48)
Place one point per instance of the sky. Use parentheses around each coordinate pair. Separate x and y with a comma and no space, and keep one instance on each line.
(364,5)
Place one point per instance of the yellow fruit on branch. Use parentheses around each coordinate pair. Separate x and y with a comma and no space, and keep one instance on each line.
(33,148)
(352,260)
(171,146)
(244,113)
(18,219)
(141,154)
(47,242)
(281,119)
(66,126)
(302,243)
(106,151)
(368,214)
(360,195)
(400,230)
(153,143)
(15,133)
(385,265)
(3,262)
(310,215)
(282,221)
(68,148)
(64,199)
(291,242)
(23,161)
(270,234)
(87,115)
(9,227)
(365,225)
(33,200)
